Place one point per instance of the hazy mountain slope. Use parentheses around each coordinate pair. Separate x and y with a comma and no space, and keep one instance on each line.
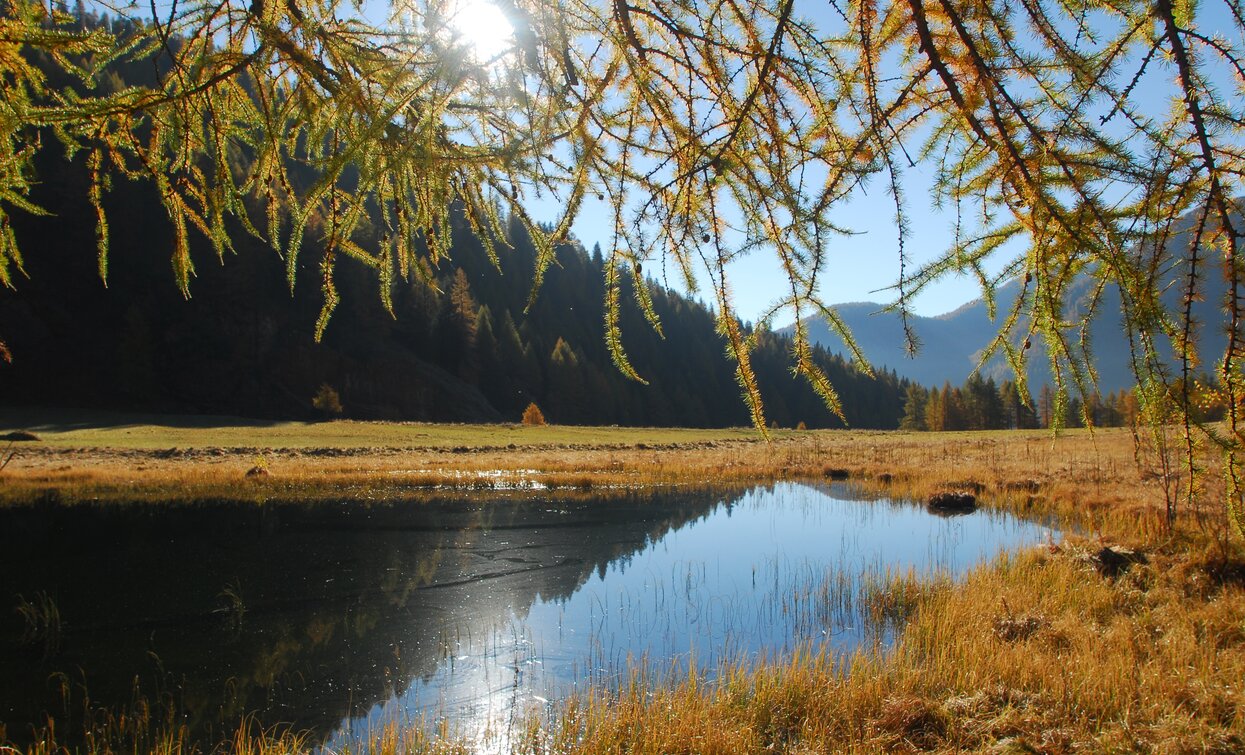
(947,342)
(952,343)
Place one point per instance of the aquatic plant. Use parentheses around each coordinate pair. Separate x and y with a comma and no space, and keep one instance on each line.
(42,623)
(233,610)
(888,600)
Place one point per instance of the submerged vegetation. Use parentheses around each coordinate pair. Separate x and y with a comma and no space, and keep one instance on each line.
(1127,635)
(41,621)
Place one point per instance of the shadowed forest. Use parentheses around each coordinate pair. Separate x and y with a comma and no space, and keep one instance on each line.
(463,345)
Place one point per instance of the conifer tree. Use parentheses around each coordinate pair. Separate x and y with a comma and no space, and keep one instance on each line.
(458,328)
(914,408)
(494,376)
(567,388)
(1018,410)
(1047,407)
(954,415)
(935,414)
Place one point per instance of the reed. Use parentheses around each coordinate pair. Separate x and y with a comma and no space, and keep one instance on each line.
(41,622)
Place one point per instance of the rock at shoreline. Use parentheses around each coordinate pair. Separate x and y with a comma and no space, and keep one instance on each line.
(1114,560)
(952,502)
(20,435)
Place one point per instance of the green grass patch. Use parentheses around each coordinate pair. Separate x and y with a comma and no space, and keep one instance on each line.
(95,429)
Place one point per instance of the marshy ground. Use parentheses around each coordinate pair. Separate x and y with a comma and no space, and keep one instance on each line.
(1068,647)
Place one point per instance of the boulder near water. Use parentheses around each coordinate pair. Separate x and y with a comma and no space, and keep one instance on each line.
(20,436)
(952,502)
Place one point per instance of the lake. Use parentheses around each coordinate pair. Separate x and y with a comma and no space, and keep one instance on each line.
(338,619)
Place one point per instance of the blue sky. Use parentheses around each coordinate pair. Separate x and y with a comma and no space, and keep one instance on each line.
(865,266)
(862,267)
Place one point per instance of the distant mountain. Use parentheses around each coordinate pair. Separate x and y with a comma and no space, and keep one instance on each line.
(952,343)
(948,342)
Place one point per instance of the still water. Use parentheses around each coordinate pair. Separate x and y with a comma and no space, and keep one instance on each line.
(339,619)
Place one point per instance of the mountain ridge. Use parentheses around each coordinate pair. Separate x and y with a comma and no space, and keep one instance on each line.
(952,343)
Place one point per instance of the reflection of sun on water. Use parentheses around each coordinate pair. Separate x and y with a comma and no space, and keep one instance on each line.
(483,26)
(544,617)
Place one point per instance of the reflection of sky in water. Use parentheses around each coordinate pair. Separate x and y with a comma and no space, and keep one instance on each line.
(753,577)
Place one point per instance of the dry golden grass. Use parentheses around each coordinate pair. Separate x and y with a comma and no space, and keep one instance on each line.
(1037,652)
(1126,665)
(1088,471)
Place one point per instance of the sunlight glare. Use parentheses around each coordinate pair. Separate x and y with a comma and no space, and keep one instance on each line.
(484,27)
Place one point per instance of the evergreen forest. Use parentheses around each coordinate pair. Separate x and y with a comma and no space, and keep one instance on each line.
(463,344)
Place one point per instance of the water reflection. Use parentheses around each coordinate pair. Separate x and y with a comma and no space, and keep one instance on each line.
(339,619)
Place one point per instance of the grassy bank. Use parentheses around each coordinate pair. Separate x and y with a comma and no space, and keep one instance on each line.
(1065,648)
(124,458)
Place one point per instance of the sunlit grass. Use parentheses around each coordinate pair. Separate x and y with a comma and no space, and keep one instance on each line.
(1081,474)
(69,429)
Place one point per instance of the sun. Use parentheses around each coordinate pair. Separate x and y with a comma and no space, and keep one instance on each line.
(483,26)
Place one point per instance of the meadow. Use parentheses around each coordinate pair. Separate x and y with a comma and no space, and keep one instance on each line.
(1062,648)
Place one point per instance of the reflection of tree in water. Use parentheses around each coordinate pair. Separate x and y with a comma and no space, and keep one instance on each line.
(299,614)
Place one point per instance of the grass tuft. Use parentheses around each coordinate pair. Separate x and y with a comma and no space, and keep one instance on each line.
(42,625)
